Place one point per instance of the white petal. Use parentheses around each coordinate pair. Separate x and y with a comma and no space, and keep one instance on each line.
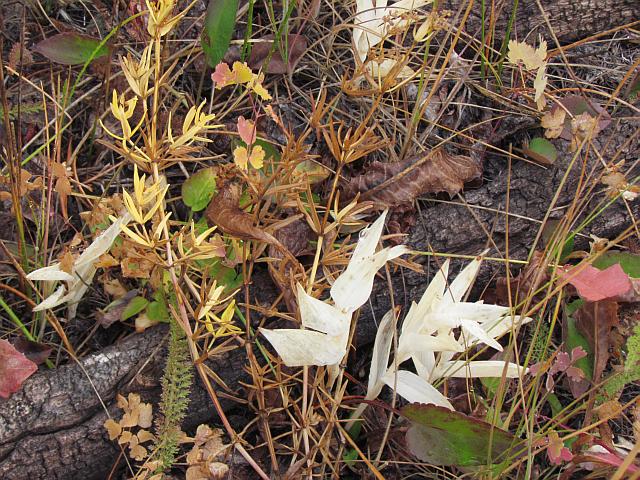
(425,363)
(52,301)
(52,272)
(352,289)
(481,368)
(380,357)
(478,312)
(463,282)
(420,343)
(415,389)
(417,317)
(102,243)
(477,333)
(79,286)
(504,325)
(369,239)
(299,348)
(321,316)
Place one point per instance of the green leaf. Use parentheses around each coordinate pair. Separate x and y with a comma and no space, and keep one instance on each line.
(71,48)
(135,306)
(542,150)
(219,22)
(157,310)
(576,339)
(629,262)
(198,190)
(444,437)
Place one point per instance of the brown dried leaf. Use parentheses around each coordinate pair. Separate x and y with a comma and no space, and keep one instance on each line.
(145,418)
(34,351)
(400,183)
(296,46)
(232,220)
(595,321)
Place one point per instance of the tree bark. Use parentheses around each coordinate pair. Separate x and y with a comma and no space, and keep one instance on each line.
(570,20)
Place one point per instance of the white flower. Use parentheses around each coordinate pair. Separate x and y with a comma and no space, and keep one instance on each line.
(82,271)
(427,338)
(326,342)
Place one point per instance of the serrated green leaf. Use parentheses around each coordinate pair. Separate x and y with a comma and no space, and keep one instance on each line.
(445,437)
(199,188)
(135,306)
(219,22)
(71,48)
(629,262)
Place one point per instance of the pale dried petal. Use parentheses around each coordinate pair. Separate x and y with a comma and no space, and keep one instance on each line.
(321,316)
(52,301)
(477,333)
(431,298)
(415,389)
(481,368)
(352,289)
(103,242)
(463,282)
(299,348)
(52,272)
(380,357)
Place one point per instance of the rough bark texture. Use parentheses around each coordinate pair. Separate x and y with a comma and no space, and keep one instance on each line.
(569,19)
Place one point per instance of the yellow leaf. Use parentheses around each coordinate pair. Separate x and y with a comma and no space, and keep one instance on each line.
(261,91)
(539,84)
(525,53)
(242,72)
(113,428)
(240,157)
(257,157)
(553,123)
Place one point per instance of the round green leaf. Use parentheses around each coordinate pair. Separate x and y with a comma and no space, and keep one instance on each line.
(198,190)
(542,150)
(629,262)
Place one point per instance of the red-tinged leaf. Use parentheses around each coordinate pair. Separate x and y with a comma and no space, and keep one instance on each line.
(556,451)
(594,320)
(594,285)
(400,183)
(34,351)
(295,48)
(71,48)
(15,368)
(247,130)
(222,75)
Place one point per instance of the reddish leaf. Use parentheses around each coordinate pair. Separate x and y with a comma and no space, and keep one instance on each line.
(247,130)
(15,368)
(296,46)
(34,351)
(595,321)
(400,183)
(594,285)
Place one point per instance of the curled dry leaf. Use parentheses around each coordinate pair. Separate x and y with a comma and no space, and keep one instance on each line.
(400,183)
(225,212)
(295,48)
(595,320)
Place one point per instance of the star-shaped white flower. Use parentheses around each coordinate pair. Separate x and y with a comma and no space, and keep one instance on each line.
(324,340)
